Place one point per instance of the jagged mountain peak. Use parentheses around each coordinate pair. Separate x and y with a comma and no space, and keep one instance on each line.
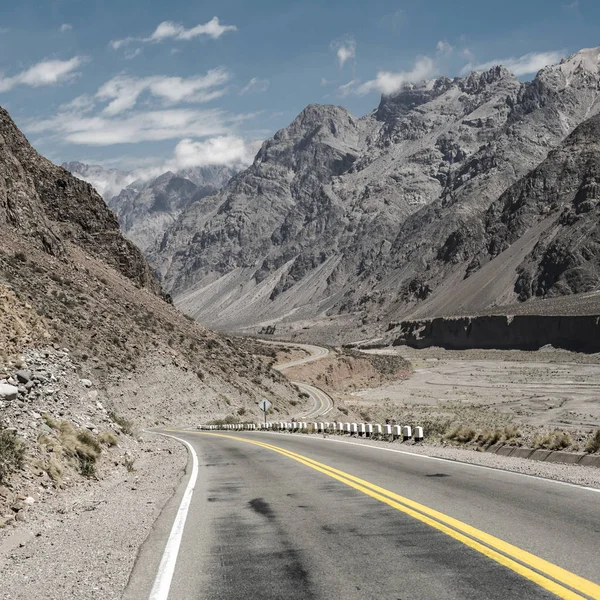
(587,59)
(456,95)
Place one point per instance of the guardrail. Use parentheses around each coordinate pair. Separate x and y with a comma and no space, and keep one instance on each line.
(366,430)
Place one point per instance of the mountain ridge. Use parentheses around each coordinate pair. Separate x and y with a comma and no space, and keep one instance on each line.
(371,217)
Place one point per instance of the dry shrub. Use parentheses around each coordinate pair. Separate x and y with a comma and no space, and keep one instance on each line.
(461,434)
(593,444)
(12,454)
(108,438)
(552,440)
(125,424)
(81,445)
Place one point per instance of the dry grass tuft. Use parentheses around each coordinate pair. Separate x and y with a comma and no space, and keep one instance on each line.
(593,444)
(552,440)
(461,434)
(125,424)
(108,438)
(12,454)
(80,445)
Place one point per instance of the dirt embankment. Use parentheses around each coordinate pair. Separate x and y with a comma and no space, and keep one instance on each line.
(347,370)
(524,332)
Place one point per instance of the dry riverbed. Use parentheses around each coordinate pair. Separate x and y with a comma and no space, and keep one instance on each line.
(534,393)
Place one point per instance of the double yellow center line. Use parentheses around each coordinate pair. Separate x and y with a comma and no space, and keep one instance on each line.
(551,577)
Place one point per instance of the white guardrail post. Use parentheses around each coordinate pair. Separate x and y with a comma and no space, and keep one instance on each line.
(406,432)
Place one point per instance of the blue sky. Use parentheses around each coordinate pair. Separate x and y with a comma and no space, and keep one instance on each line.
(158,84)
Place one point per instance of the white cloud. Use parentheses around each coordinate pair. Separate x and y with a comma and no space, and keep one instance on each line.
(129,54)
(524,65)
(227,150)
(168,29)
(387,82)
(444,48)
(175,31)
(345,50)
(223,150)
(124,92)
(154,125)
(255,86)
(48,72)
(65,27)
(80,105)
(349,88)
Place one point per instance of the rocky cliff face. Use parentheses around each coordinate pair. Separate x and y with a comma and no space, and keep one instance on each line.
(383,215)
(145,210)
(47,204)
(523,332)
(564,193)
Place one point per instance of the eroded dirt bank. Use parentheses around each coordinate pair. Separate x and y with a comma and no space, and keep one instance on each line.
(521,332)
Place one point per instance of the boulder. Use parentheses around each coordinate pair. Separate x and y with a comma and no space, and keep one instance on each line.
(23,376)
(8,392)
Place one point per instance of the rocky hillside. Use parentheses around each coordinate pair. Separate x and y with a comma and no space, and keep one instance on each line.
(69,279)
(355,220)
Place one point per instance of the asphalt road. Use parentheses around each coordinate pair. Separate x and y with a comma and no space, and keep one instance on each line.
(270,519)
(322,401)
(315,353)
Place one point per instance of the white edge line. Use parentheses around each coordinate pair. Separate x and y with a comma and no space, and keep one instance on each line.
(164,575)
(450,460)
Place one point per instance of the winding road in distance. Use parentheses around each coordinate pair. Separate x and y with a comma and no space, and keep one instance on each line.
(323,403)
(300,517)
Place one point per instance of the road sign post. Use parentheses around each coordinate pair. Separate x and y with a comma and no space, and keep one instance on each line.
(265,405)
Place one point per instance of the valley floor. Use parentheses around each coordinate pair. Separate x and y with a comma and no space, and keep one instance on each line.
(534,393)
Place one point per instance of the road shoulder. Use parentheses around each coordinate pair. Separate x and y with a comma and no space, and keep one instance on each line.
(84,545)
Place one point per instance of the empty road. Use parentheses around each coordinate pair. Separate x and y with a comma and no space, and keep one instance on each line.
(322,401)
(276,516)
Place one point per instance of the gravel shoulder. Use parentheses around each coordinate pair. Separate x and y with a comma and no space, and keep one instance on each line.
(83,544)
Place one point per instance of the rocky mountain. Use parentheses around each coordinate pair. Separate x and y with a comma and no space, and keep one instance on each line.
(107,182)
(378,217)
(146,209)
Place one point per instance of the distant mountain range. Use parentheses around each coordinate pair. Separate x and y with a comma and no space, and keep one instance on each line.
(145,208)
(453,196)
